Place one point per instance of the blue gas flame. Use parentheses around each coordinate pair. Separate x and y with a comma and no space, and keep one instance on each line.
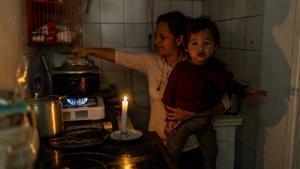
(77,101)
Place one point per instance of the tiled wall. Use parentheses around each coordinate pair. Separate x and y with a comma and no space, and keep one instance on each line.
(13,41)
(240,23)
(128,24)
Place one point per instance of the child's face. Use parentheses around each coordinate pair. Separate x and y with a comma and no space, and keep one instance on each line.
(165,41)
(201,46)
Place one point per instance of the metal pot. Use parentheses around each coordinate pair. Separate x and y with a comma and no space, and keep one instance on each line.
(75,80)
(48,115)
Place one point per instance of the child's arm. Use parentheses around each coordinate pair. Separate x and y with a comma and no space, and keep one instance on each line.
(242,90)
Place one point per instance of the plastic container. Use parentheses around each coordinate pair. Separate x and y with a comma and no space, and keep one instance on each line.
(19,142)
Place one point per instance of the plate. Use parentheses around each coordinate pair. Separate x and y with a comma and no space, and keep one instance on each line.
(129,135)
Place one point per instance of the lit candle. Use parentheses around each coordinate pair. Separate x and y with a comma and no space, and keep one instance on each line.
(124,114)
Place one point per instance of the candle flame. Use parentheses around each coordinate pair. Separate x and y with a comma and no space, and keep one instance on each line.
(125,98)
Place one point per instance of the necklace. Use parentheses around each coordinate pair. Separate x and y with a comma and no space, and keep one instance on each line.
(162,74)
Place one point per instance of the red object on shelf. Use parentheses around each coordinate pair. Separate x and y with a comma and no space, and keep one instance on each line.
(54,22)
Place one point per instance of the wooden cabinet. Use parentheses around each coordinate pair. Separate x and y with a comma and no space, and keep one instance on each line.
(54,22)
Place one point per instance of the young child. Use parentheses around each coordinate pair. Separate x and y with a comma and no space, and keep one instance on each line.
(196,85)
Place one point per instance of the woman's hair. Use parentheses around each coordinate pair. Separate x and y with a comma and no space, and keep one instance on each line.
(176,22)
(199,24)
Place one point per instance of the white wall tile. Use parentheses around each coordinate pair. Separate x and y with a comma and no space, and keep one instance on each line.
(138,110)
(112,11)
(238,33)
(112,35)
(138,81)
(224,55)
(206,7)
(93,16)
(135,49)
(252,67)
(226,9)
(254,32)
(215,9)
(160,7)
(109,66)
(251,107)
(254,7)
(225,31)
(136,11)
(91,35)
(239,8)
(118,78)
(183,6)
(141,99)
(248,131)
(237,64)
(197,8)
(136,35)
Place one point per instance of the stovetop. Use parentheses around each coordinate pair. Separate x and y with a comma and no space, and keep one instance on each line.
(146,153)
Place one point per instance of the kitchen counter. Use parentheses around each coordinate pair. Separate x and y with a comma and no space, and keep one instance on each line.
(224,120)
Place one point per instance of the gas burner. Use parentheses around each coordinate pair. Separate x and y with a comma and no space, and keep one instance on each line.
(91,108)
(72,102)
(77,101)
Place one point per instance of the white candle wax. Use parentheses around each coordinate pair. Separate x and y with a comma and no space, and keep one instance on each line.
(124,114)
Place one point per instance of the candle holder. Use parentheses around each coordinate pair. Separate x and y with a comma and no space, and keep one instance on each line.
(125,134)
(128,135)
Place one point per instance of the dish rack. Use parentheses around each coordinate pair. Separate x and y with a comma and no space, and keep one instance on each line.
(54,22)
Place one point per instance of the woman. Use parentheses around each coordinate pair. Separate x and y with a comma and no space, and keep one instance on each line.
(156,66)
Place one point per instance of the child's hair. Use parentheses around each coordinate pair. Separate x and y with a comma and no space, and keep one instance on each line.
(199,24)
(176,22)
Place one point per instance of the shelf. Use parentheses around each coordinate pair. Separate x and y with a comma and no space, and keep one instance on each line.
(54,22)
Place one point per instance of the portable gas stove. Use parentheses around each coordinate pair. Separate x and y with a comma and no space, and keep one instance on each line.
(86,108)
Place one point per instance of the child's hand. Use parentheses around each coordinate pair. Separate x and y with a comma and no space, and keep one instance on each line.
(177,114)
(255,93)
(170,126)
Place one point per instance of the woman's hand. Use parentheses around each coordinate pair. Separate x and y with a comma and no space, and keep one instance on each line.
(80,52)
(177,114)
(79,57)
